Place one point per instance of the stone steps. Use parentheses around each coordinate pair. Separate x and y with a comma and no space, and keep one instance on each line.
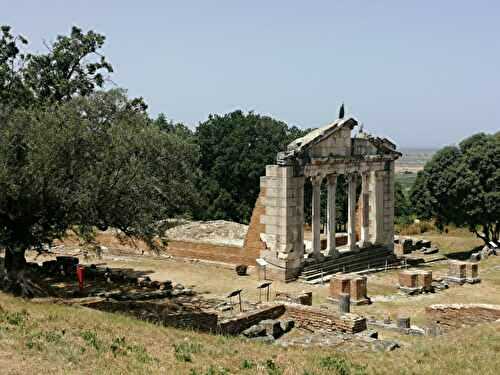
(351,262)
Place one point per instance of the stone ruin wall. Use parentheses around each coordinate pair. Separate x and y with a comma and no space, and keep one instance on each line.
(211,252)
(313,318)
(284,215)
(253,244)
(455,316)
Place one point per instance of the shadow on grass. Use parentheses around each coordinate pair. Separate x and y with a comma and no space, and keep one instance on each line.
(98,279)
(463,255)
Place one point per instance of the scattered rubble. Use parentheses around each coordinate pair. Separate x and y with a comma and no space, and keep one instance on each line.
(402,325)
(304,298)
(485,252)
(407,245)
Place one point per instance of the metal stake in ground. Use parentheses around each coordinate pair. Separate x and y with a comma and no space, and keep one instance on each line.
(234,294)
(266,285)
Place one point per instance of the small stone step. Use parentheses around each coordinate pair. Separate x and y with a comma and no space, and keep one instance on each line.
(353,262)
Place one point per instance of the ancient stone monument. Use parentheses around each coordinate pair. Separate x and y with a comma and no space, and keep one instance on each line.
(321,156)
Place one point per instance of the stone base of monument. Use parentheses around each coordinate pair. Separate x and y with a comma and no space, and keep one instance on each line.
(268,271)
(356,302)
(369,258)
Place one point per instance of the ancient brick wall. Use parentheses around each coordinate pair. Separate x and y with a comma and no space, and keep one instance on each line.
(323,319)
(205,251)
(236,325)
(253,243)
(462,315)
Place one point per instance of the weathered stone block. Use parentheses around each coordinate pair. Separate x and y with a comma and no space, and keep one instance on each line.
(351,284)
(425,280)
(358,288)
(340,284)
(457,271)
(408,279)
(472,272)
(272,327)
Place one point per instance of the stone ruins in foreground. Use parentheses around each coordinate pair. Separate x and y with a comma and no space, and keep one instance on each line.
(322,155)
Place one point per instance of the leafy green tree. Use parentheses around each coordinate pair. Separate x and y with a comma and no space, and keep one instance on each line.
(234,150)
(12,88)
(402,206)
(461,185)
(401,202)
(72,66)
(93,161)
(420,198)
(169,126)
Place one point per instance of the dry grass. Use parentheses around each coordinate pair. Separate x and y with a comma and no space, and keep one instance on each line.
(60,339)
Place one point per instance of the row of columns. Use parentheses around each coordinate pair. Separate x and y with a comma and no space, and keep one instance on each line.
(331,213)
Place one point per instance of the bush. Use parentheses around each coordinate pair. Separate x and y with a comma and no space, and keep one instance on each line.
(341,366)
(415,228)
(184,350)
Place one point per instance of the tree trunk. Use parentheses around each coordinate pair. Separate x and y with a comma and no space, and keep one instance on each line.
(16,279)
(484,236)
(494,232)
(14,261)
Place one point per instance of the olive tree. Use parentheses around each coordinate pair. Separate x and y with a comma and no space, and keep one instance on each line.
(94,161)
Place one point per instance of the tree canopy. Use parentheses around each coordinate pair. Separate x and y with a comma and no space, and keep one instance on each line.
(234,150)
(75,157)
(461,185)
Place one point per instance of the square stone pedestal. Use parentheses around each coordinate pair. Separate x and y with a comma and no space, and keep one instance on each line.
(284,271)
(457,272)
(472,273)
(408,282)
(415,281)
(352,284)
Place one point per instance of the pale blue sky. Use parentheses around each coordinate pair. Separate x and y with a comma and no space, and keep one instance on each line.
(424,73)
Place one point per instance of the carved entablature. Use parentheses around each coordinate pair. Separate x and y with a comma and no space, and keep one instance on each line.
(332,144)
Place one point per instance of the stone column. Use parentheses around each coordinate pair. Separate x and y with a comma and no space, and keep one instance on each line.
(316,215)
(365,210)
(378,216)
(351,213)
(331,211)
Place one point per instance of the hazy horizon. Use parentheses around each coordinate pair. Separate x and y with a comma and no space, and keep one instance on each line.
(423,74)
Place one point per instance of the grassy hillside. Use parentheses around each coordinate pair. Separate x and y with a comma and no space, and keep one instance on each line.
(62,339)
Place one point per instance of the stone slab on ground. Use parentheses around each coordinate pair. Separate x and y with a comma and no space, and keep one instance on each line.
(217,232)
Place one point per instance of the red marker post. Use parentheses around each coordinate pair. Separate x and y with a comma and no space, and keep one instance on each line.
(80,275)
